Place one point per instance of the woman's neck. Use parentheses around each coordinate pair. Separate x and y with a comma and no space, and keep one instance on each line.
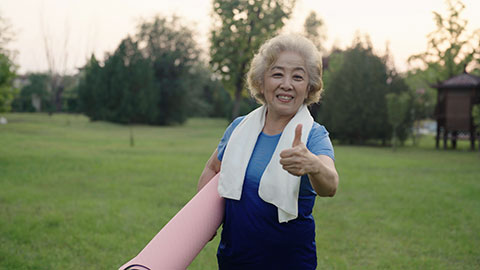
(274,124)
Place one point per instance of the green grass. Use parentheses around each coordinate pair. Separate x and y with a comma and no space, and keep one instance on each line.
(75,195)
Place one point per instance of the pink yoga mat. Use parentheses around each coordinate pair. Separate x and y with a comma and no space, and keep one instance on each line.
(184,236)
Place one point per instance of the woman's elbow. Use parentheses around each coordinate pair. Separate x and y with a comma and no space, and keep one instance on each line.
(332,190)
(327,192)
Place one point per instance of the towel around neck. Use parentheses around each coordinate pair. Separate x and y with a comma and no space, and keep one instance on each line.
(277,186)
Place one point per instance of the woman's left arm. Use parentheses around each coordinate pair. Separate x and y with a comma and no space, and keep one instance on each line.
(321,171)
(325,179)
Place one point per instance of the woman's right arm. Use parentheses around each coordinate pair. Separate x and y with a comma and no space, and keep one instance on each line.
(211,169)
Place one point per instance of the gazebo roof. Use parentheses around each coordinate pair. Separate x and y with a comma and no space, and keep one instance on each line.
(463,80)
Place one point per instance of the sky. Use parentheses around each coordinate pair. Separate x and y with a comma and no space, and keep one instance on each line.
(75,29)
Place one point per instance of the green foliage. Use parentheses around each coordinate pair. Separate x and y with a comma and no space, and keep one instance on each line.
(6,34)
(398,86)
(207,96)
(36,88)
(119,91)
(153,78)
(314,29)
(450,48)
(424,97)
(7,74)
(354,106)
(70,93)
(173,52)
(88,98)
(240,27)
(7,67)
(397,106)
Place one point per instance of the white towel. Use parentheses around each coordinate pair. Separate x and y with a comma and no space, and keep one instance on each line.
(277,186)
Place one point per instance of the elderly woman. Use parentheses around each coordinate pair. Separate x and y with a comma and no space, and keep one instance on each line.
(273,162)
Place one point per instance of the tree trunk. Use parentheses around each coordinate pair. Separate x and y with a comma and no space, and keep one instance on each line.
(58,98)
(236,103)
(238,92)
(132,140)
(394,135)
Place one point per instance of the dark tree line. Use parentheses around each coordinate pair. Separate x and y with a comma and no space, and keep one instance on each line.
(354,106)
(155,77)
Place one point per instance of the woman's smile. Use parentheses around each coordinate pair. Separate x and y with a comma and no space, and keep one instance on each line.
(285,85)
(285,98)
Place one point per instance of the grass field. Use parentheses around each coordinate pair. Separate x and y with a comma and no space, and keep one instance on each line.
(75,195)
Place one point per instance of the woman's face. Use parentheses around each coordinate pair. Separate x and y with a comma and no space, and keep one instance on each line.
(285,84)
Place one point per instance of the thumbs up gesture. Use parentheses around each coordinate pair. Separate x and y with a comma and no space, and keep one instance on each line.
(298,160)
(298,135)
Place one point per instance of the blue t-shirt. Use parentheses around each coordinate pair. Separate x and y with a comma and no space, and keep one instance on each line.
(252,237)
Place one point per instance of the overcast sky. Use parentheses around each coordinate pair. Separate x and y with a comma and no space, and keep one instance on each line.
(98,25)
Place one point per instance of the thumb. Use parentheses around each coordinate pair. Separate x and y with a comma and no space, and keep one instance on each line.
(298,136)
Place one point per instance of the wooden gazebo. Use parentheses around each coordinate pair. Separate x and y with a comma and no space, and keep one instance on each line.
(455,100)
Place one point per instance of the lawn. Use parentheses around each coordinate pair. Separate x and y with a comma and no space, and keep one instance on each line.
(75,195)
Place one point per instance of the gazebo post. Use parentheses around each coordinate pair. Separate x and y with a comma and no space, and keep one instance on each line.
(445,138)
(478,136)
(472,139)
(454,139)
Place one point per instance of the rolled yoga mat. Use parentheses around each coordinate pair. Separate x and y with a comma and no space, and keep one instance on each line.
(184,236)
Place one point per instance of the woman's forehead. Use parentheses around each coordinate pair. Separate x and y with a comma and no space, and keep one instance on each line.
(289,60)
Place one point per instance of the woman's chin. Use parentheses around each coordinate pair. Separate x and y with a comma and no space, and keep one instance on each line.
(284,109)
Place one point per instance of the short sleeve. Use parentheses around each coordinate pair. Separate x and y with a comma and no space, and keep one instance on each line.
(226,136)
(318,141)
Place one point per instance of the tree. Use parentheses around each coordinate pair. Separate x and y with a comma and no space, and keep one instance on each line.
(35,89)
(207,96)
(70,93)
(6,34)
(397,105)
(174,53)
(7,67)
(423,97)
(240,27)
(90,81)
(57,61)
(450,48)
(314,29)
(152,77)
(118,91)
(354,106)
(7,91)
(422,92)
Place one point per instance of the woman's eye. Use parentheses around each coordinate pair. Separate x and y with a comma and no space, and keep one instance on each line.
(277,75)
(298,77)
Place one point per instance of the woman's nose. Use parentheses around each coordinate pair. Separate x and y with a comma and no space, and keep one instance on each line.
(286,84)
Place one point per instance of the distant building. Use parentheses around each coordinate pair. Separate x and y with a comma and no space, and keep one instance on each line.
(455,100)
(20,81)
